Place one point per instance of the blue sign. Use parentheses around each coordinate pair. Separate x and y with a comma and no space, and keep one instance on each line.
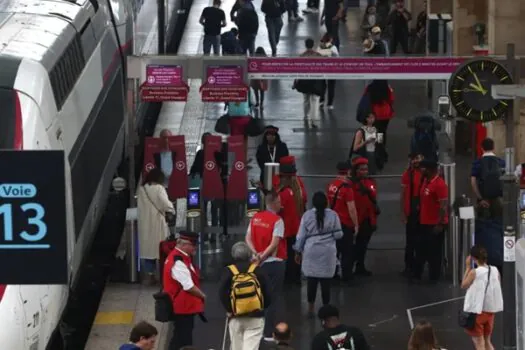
(33,231)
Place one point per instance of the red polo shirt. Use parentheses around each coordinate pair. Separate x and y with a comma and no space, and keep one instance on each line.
(416,183)
(432,192)
(345,195)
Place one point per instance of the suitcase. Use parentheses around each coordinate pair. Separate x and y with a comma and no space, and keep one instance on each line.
(165,248)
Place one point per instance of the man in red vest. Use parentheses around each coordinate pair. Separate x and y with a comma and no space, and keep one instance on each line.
(181,283)
(290,161)
(265,238)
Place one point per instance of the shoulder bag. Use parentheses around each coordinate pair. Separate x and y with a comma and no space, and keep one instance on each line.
(171,218)
(467,320)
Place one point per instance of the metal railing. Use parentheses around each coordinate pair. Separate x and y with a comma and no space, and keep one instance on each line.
(331,176)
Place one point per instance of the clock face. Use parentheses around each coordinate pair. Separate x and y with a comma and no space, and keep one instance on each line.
(470,90)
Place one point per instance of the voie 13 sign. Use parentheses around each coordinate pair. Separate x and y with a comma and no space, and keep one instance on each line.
(33,231)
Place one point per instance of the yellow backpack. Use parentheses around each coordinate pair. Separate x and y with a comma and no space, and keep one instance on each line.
(246,294)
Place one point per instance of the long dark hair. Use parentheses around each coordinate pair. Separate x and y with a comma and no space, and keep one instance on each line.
(423,337)
(154,176)
(378,91)
(320,203)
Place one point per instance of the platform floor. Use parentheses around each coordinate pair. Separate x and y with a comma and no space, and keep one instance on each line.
(378,304)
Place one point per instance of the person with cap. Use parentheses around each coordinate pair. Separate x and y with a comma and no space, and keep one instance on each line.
(293,205)
(290,161)
(271,149)
(411,181)
(341,200)
(433,220)
(365,194)
(380,43)
(265,237)
(181,281)
(336,335)
(398,20)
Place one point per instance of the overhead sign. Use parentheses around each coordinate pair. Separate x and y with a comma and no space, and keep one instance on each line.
(507,92)
(357,68)
(164,83)
(224,83)
(33,231)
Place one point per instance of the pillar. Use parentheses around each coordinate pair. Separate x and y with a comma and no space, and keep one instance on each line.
(506,25)
(440,6)
(465,14)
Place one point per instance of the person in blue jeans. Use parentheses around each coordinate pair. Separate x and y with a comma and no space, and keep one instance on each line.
(213,19)
(273,10)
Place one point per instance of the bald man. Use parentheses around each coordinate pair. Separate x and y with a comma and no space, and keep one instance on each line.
(282,336)
(165,159)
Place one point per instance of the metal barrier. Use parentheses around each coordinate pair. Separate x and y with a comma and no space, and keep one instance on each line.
(333,176)
(462,236)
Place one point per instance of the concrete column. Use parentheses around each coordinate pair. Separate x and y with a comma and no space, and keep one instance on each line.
(440,6)
(506,25)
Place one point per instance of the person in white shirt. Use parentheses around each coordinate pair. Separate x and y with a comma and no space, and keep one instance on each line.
(484,296)
(328,49)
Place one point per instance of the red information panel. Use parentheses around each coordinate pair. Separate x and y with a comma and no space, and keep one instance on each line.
(155,152)
(238,181)
(224,84)
(211,178)
(164,83)
(406,68)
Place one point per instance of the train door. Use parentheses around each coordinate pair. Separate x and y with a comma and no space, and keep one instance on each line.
(30,296)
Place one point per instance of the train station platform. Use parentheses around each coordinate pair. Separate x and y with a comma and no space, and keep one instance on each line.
(377,304)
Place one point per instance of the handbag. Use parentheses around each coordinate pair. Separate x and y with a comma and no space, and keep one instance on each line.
(222,125)
(255,127)
(467,320)
(163,307)
(171,218)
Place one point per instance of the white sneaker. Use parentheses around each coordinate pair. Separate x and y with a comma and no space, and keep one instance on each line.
(330,107)
(314,10)
(299,19)
(269,339)
(309,10)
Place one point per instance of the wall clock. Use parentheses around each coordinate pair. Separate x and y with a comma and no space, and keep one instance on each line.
(470,90)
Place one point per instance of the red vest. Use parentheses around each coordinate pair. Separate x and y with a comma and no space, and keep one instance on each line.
(184,303)
(291,218)
(261,232)
(363,202)
(276,181)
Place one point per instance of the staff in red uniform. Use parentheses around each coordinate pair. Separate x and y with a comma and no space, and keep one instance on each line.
(433,219)
(341,200)
(265,238)
(410,185)
(181,283)
(290,161)
(365,194)
(292,203)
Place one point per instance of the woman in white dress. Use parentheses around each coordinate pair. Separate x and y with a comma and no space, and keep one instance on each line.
(484,297)
(152,205)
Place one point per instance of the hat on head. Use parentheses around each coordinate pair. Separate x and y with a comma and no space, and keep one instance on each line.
(287,169)
(327,311)
(375,30)
(270,129)
(428,164)
(343,167)
(359,161)
(287,160)
(368,45)
(193,237)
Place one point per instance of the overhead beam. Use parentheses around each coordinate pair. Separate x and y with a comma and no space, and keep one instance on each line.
(508,92)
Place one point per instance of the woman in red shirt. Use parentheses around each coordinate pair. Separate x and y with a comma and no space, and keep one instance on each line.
(381,103)
(365,195)
(292,209)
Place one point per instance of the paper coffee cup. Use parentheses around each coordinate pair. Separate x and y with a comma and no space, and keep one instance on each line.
(380,137)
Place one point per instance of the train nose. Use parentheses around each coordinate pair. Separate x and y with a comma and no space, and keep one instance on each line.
(11,319)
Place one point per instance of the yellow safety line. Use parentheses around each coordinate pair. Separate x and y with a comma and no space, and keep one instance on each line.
(114,318)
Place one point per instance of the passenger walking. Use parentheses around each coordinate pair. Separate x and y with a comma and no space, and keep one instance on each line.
(230,43)
(239,117)
(484,297)
(382,105)
(398,20)
(271,150)
(287,161)
(333,12)
(423,337)
(369,21)
(311,89)
(380,43)
(265,237)
(365,194)
(411,182)
(247,20)
(273,11)
(282,335)
(365,141)
(341,200)
(181,281)
(213,19)
(292,204)
(244,306)
(259,86)
(433,220)
(316,248)
(153,205)
(328,49)
(142,337)
(292,7)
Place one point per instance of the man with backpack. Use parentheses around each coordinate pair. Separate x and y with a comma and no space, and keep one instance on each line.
(335,334)
(247,22)
(341,199)
(486,183)
(245,294)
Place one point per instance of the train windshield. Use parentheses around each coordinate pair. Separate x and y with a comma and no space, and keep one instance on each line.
(10,120)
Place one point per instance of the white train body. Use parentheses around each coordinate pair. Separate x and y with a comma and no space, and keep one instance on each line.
(62,86)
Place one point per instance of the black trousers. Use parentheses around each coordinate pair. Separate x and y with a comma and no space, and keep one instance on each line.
(329,87)
(429,248)
(361,243)
(411,241)
(293,270)
(182,331)
(345,250)
(311,289)
(399,39)
(332,28)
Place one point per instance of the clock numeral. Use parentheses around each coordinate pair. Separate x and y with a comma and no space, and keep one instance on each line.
(494,112)
(495,69)
(504,103)
(504,78)
(481,116)
(460,78)
(460,103)
(469,111)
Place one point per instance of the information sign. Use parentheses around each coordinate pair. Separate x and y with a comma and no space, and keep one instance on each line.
(224,84)
(164,83)
(509,248)
(33,231)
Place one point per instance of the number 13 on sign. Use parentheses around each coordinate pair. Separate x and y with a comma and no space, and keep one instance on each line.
(34,213)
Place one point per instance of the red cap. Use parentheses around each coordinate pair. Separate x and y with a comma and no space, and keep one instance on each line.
(193,237)
(287,160)
(359,161)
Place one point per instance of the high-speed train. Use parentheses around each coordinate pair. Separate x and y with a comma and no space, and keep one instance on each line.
(62,86)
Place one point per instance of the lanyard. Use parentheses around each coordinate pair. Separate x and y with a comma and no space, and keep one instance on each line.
(272,154)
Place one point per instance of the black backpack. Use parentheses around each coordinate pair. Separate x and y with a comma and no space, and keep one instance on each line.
(489,183)
(248,21)
(424,140)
